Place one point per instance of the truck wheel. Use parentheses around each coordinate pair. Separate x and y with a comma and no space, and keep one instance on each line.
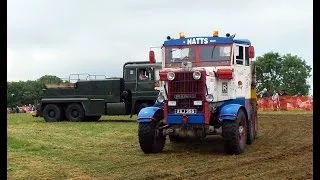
(75,112)
(141,106)
(175,138)
(52,113)
(235,134)
(252,125)
(151,140)
(255,126)
(92,118)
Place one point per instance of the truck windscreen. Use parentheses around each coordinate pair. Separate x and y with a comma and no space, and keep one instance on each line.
(175,55)
(216,54)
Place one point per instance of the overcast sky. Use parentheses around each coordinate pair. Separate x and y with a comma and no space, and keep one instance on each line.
(60,37)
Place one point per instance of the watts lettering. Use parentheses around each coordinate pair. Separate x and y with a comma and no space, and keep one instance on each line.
(197,41)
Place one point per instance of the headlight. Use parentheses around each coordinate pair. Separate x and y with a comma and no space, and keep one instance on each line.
(172,103)
(196,75)
(197,103)
(160,98)
(171,76)
(209,98)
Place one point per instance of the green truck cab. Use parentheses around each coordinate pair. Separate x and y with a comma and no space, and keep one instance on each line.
(88,100)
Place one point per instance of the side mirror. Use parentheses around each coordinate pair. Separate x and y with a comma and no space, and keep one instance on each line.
(152,57)
(251,52)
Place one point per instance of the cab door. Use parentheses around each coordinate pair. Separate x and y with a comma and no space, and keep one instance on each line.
(145,81)
(130,76)
(242,71)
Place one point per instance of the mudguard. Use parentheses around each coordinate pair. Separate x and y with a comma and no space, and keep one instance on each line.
(147,114)
(229,112)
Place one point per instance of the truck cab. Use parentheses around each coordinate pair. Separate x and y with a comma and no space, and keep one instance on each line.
(141,81)
(208,89)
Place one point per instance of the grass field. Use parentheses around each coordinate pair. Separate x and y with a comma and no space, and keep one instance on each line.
(109,149)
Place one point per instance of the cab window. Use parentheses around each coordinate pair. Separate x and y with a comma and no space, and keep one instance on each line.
(130,74)
(247,62)
(145,74)
(239,55)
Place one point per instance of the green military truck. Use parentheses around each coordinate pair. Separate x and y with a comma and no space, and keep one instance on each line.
(88,100)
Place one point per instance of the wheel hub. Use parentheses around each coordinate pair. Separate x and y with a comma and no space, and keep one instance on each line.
(51,113)
(74,113)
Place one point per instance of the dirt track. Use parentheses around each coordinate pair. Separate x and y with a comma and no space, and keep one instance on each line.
(109,149)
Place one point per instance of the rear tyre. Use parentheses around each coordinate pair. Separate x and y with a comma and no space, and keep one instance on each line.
(75,112)
(151,139)
(252,129)
(52,113)
(250,132)
(235,134)
(252,126)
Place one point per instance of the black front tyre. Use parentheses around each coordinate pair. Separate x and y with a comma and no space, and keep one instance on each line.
(75,112)
(235,134)
(151,139)
(52,113)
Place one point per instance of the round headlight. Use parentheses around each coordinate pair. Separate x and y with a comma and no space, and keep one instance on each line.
(171,76)
(209,98)
(196,75)
(160,99)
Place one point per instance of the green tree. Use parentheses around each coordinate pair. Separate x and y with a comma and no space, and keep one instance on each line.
(14,93)
(49,79)
(288,72)
(23,92)
(295,73)
(28,92)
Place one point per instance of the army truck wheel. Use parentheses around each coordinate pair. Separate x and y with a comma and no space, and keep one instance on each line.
(235,134)
(175,138)
(92,118)
(52,113)
(151,139)
(75,112)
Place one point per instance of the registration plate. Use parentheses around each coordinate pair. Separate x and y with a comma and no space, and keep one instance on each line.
(185,111)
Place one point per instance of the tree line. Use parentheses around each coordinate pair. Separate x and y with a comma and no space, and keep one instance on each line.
(287,72)
(274,72)
(28,92)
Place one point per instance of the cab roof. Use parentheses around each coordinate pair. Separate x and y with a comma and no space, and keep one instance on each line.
(205,40)
(156,65)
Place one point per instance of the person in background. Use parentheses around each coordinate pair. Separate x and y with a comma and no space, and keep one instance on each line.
(29,108)
(283,100)
(263,93)
(275,100)
(263,97)
(17,109)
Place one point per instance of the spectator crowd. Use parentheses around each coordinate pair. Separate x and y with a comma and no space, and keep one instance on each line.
(280,101)
(22,109)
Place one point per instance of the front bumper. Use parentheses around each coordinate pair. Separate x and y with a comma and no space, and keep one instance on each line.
(185,119)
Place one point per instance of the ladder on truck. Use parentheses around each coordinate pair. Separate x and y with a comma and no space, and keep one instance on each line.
(84,76)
